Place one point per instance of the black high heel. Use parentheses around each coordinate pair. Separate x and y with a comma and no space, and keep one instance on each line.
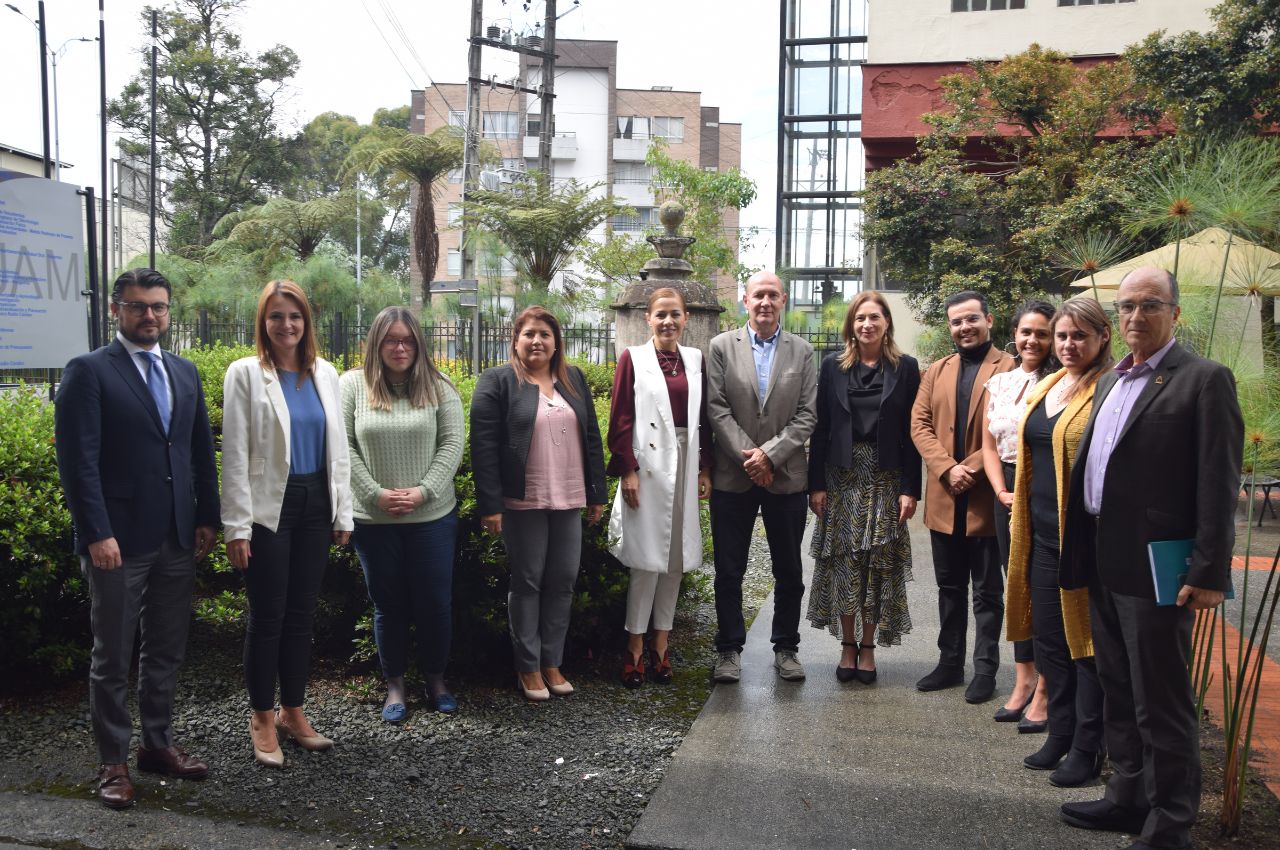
(847,674)
(866,677)
(1013,715)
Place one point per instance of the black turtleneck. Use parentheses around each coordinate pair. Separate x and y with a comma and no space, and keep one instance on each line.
(970,360)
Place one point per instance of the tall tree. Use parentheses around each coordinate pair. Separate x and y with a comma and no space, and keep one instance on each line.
(541,224)
(1014,167)
(283,226)
(418,162)
(1224,80)
(216,115)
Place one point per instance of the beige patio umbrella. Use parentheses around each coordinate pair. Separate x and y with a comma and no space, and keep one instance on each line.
(1251,268)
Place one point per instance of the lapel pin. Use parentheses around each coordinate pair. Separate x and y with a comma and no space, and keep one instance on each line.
(1159,379)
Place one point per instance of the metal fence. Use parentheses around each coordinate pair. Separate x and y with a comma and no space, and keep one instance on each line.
(341,342)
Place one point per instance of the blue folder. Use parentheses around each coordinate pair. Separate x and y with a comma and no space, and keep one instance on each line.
(1170,562)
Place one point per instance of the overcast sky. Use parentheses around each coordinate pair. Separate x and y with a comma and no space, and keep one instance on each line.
(353,59)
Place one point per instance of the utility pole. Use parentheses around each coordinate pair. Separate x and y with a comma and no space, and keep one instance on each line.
(547,89)
(359,260)
(44,88)
(471,165)
(152,181)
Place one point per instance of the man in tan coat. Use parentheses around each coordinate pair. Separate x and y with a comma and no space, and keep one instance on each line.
(946,426)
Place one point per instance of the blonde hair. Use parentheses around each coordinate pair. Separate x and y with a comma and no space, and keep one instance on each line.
(1088,314)
(307,346)
(888,348)
(423,381)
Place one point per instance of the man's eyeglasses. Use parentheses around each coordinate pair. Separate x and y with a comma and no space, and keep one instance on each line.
(971,319)
(391,343)
(140,308)
(1147,308)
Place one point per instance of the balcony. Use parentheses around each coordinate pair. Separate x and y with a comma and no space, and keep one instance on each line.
(563,146)
(630,150)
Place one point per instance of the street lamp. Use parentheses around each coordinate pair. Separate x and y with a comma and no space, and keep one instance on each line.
(57,144)
(44,78)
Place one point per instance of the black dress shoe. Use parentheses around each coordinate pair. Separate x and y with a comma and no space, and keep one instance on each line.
(1077,769)
(943,676)
(1048,756)
(981,689)
(846,674)
(1012,715)
(866,677)
(1032,727)
(1104,815)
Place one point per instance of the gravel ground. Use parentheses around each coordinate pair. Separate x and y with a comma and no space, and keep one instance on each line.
(572,772)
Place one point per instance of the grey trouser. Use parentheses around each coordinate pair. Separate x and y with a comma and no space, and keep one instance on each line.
(151,592)
(543,550)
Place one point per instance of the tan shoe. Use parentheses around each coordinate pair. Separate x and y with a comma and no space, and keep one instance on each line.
(266,758)
(315,743)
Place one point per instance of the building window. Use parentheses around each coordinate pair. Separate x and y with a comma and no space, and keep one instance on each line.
(985,5)
(501,125)
(632,172)
(455,175)
(645,217)
(455,262)
(455,213)
(671,129)
(632,127)
(1091,2)
(457,119)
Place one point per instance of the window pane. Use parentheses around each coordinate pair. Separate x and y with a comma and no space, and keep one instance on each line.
(959,5)
(455,262)
(500,125)
(457,119)
(1017,4)
(997,4)
(671,129)
(455,213)
(979,5)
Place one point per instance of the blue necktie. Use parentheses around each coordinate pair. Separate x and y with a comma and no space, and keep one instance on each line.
(158,386)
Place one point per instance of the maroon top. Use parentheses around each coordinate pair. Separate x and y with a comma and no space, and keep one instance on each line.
(622,414)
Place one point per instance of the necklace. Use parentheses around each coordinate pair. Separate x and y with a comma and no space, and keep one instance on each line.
(668,360)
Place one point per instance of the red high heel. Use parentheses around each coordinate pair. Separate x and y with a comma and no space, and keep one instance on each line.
(660,668)
(633,670)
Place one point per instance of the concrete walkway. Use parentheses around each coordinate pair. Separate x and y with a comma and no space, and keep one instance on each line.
(817,764)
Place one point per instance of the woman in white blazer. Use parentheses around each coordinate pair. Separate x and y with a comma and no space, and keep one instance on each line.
(658,410)
(286,495)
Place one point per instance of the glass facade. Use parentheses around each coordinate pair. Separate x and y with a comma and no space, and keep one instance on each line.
(820,162)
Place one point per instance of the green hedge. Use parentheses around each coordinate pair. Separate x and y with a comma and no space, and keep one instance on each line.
(44,602)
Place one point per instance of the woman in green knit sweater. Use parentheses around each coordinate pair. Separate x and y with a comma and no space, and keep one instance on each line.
(405,430)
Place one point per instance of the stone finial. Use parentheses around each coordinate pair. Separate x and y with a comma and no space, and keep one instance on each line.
(671,214)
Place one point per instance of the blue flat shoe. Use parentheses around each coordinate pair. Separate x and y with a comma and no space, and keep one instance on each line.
(394,712)
(445,703)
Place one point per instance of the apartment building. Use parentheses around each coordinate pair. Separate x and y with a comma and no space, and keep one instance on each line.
(602,133)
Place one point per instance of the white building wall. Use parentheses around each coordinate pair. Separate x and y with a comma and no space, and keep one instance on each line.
(581,107)
(909,31)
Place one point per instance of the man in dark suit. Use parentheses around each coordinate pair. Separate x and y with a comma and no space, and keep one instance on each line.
(946,426)
(135,456)
(1160,460)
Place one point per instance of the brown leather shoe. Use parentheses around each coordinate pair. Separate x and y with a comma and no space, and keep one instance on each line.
(172,762)
(115,788)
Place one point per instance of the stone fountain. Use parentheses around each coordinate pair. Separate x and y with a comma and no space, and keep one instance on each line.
(669,268)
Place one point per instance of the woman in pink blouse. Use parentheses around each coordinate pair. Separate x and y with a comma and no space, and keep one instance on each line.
(1028,703)
(537,461)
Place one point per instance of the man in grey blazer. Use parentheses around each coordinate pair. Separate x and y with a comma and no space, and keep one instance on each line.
(762,403)
(1160,460)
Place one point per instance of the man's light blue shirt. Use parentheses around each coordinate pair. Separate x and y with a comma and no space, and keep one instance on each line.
(763,350)
(1112,415)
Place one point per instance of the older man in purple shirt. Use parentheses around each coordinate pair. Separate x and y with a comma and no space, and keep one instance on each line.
(1161,461)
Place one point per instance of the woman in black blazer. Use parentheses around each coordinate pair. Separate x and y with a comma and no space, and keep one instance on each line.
(864,481)
(537,461)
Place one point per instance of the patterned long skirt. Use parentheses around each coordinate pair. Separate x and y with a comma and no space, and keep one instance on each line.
(862,554)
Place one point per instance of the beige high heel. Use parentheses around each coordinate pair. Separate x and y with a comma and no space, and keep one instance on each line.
(266,758)
(315,743)
(534,695)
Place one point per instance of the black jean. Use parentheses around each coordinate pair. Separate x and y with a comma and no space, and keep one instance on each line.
(958,559)
(286,567)
(1073,688)
(1023,650)
(733,519)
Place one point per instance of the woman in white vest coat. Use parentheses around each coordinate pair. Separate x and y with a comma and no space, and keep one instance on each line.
(658,411)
